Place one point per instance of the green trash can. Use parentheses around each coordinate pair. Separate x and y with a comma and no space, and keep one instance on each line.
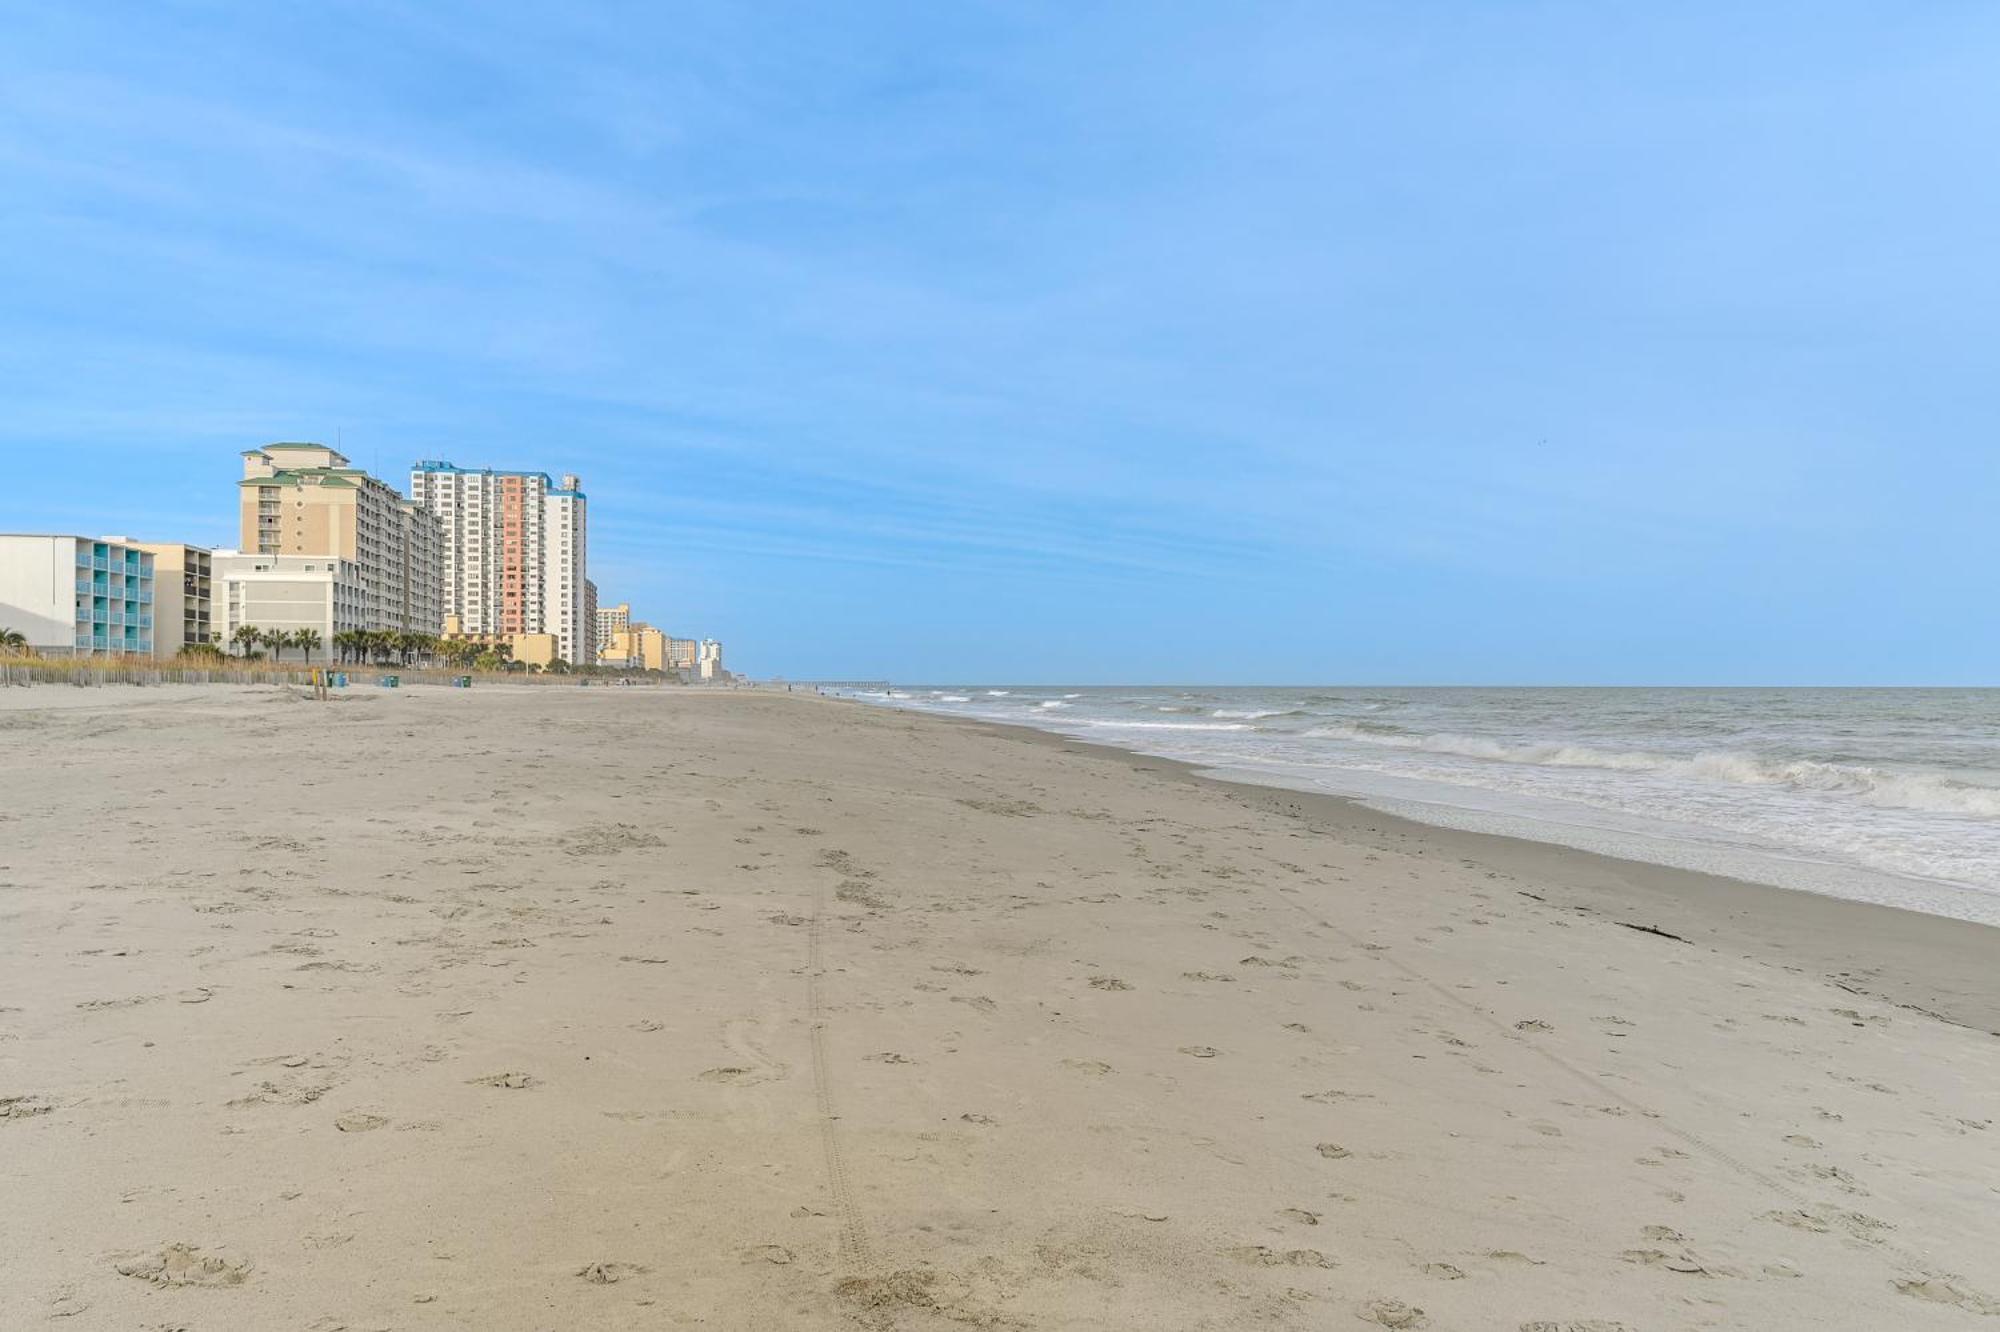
(390,681)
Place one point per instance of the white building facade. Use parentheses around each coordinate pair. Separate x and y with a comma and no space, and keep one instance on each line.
(290,592)
(77,596)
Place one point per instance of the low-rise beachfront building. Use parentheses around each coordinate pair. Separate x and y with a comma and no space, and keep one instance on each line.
(77,596)
(183,587)
(290,592)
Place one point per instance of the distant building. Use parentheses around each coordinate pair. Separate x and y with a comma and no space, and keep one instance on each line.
(304,500)
(637,648)
(612,620)
(290,592)
(183,588)
(76,596)
(590,623)
(682,654)
(708,663)
(515,552)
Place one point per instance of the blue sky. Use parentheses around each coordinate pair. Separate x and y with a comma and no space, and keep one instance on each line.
(1307,342)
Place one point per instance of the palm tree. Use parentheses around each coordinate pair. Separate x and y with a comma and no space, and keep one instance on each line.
(246,637)
(13,642)
(276,640)
(306,640)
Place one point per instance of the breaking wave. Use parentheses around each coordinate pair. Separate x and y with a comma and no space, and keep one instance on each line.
(1169,726)
(1884,787)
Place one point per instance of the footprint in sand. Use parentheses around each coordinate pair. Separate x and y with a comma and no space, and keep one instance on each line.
(1333,1151)
(1261,1255)
(510,1081)
(1094,1067)
(1200,1051)
(1934,1291)
(979,1119)
(1391,1313)
(1300,1215)
(889,1057)
(359,1122)
(23,1107)
(1108,983)
(610,1274)
(768,1253)
(185,1265)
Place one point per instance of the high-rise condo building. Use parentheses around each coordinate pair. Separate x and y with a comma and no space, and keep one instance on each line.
(300,500)
(590,622)
(514,552)
(71,595)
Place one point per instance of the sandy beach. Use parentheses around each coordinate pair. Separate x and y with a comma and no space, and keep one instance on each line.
(603,1008)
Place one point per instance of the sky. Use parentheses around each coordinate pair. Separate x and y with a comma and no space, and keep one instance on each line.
(1085,342)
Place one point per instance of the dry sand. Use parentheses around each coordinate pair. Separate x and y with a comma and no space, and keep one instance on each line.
(519,1008)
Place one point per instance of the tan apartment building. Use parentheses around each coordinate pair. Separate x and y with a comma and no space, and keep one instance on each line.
(183,595)
(306,500)
(640,647)
(515,552)
(612,620)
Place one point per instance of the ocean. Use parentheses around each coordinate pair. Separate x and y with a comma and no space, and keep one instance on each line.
(1880,795)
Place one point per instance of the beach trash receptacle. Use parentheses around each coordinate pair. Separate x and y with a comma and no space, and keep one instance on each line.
(390,681)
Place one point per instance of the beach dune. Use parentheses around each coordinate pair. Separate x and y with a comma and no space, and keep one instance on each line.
(560,1008)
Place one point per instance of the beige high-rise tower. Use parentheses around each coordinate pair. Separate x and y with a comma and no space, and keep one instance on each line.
(305,499)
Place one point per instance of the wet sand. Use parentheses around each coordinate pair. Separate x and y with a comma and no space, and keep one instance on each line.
(552,1008)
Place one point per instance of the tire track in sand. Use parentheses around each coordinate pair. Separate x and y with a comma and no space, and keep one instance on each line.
(853,1233)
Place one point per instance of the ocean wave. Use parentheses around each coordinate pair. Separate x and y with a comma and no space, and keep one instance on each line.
(953,698)
(998,693)
(1248,714)
(1052,703)
(1928,792)
(1169,726)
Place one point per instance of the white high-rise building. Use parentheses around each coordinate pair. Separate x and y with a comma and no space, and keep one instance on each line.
(515,552)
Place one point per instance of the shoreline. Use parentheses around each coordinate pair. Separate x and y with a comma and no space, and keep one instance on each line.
(1940,966)
(1867,799)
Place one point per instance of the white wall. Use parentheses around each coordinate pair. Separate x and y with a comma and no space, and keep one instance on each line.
(38,590)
